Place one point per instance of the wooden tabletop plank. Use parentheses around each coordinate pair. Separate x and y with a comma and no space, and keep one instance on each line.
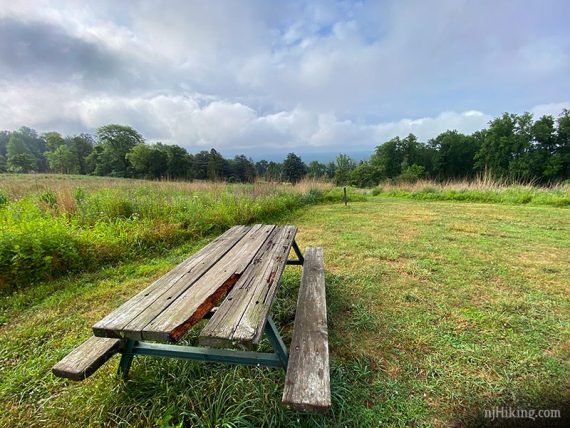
(134,328)
(242,315)
(170,285)
(196,301)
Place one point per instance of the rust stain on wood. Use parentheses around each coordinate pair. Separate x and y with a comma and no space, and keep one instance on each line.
(209,303)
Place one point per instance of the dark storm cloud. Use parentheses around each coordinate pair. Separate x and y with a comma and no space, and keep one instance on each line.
(41,51)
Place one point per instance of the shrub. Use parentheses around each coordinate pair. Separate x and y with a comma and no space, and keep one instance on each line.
(337,195)
(110,224)
(79,194)
(49,198)
(312,196)
(412,173)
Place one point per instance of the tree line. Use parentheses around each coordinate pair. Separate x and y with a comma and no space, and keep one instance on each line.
(513,147)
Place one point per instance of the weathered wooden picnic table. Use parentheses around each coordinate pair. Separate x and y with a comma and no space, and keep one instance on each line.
(239,272)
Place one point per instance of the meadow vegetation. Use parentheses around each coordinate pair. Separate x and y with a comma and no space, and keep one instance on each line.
(481,189)
(437,310)
(52,227)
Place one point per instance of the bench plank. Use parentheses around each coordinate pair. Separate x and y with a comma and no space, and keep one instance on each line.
(143,307)
(307,382)
(191,306)
(84,360)
(241,317)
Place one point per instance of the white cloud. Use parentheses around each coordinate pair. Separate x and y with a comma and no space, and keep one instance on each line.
(196,123)
(285,75)
(223,124)
(552,109)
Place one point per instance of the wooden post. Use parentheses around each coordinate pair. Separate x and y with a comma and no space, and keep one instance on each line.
(345,198)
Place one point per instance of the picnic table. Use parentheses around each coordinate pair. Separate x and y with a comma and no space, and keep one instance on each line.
(232,283)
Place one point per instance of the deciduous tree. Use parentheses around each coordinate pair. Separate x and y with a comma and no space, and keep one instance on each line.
(116,141)
(344,166)
(294,169)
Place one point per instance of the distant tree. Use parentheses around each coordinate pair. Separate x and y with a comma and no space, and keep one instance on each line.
(81,146)
(200,165)
(116,141)
(274,171)
(4,137)
(496,151)
(562,152)
(395,155)
(516,147)
(294,168)
(53,140)
(388,158)
(261,168)
(316,169)
(148,161)
(522,165)
(36,145)
(218,167)
(550,153)
(242,169)
(179,162)
(19,156)
(513,146)
(365,175)
(67,155)
(331,170)
(33,147)
(344,166)
(62,160)
(454,155)
(92,160)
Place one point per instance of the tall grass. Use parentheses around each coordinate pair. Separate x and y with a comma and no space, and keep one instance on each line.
(49,227)
(482,189)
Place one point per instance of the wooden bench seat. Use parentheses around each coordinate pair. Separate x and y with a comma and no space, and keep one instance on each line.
(84,360)
(307,383)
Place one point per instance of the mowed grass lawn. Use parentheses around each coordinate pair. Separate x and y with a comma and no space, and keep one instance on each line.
(437,311)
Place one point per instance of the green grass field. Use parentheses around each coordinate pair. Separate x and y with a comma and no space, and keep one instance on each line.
(437,311)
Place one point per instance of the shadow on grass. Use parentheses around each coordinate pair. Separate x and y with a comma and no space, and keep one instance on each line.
(523,414)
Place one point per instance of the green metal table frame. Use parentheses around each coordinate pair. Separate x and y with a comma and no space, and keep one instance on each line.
(277,359)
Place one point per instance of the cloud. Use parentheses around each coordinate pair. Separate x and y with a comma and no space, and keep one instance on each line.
(197,123)
(41,51)
(552,109)
(261,75)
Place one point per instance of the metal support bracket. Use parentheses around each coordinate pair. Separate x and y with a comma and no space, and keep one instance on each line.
(276,342)
(127,356)
(277,359)
(300,259)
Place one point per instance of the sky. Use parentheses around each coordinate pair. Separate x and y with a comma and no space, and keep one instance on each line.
(266,76)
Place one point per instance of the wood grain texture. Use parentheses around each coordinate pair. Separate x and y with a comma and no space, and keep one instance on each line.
(191,306)
(307,382)
(133,315)
(84,360)
(241,317)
